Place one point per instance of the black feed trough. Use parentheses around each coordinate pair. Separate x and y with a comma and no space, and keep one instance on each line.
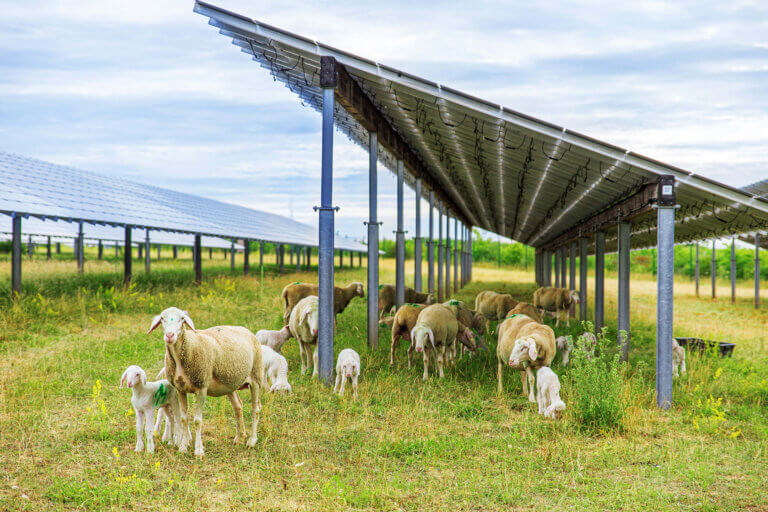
(700,345)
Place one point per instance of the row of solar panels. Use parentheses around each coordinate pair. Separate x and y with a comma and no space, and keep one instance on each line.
(43,190)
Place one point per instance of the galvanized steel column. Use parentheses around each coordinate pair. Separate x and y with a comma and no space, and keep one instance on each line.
(232,255)
(128,256)
(373,242)
(175,252)
(733,269)
(146,251)
(696,272)
(48,249)
(563,266)
(439,254)
(100,253)
(431,246)
(326,225)
(665,290)
(583,306)
(714,271)
(198,262)
(417,241)
(80,249)
(757,270)
(447,287)
(557,268)
(599,280)
(15,255)
(623,288)
(158,252)
(470,255)
(309,257)
(400,241)
(281,269)
(247,256)
(455,255)
(351,261)
(572,267)
(117,249)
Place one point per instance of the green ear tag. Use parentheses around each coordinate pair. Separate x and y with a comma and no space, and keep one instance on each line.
(381,286)
(512,316)
(160,395)
(454,302)
(296,282)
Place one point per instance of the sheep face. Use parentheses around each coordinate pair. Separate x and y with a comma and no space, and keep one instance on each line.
(173,320)
(468,339)
(349,369)
(359,290)
(132,376)
(574,297)
(430,300)
(281,387)
(421,335)
(524,350)
(311,317)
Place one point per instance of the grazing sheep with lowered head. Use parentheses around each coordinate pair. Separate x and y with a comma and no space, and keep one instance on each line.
(493,306)
(402,324)
(274,339)
(557,300)
(276,368)
(435,329)
(342,296)
(548,393)
(347,367)
(388,299)
(303,324)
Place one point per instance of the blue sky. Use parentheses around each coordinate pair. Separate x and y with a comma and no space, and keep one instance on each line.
(148,91)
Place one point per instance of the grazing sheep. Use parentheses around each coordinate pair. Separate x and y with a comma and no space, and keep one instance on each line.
(548,393)
(342,296)
(435,329)
(557,300)
(678,358)
(212,362)
(387,298)
(565,346)
(276,368)
(303,325)
(347,367)
(527,309)
(402,324)
(493,306)
(146,397)
(471,325)
(274,339)
(525,345)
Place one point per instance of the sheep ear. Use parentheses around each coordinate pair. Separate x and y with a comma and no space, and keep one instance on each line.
(155,322)
(187,320)
(431,336)
(143,379)
(122,379)
(532,349)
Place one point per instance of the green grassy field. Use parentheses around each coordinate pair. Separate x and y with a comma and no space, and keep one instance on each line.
(67,431)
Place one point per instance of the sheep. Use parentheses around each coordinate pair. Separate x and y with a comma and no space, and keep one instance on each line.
(342,296)
(548,393)
(387,298)
(276,368)
(565,346)
(436,328)
(274,339)
(303,324)
(556,299)
(146,397)
(402,324)
(527,309)
(347,367)
(168,424)
(470,325)
(678,358)
(493,306)
(525,345)
(212,362)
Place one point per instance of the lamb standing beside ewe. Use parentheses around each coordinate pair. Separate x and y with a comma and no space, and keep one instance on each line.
(493,306)
(347,367)
(276,368)
(525,345)
(303,324)
(387,298)
(295,292)
(557,300)
(435,329)
(548,393)
(145,398)
(212,362)
(402,324)
(274,339)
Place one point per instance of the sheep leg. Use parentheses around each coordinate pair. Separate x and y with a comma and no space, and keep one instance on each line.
(410,354)
(149,417)
(156,429)
(338,382)
(440,360)
(395,340)
(354,387)
(426,364)
(315,370)
(139,431)
(237,408)
(499,369)
(531,385)
(186,436)
(343,382)
(167,431)
(199,402)
(524,380)
(557,317)
(302,350)
(256,409)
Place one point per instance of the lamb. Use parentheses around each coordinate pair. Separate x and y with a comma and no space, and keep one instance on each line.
(527,309)
(557,300)
(493,306)
(276,368)
(212,362)
(565,346)
(525,345)
(387,298)
(274,339)
(303,324)
(146,397)
(347,367)
(402,324)
(435,329)
(295,292)
(548,393)
(678,358)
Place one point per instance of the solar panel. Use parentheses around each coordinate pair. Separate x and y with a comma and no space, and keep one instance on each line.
(41,189)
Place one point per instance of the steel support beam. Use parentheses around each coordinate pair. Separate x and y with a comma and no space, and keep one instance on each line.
(733,269)
(572,267)
(281,269)
(563,266)
(100,253)
(328,82)
(455,255)
(470,255)
(417,284)
(15,255)
(58,247)
(400,240)
(757,270)
(117,250)
(175,252)
(665,292)
(714,271)
(48,249)
(309,257)
(146,252)
(158,252)
(80,249)
(128,256)
(624,230)
(198,259)
(431,246)
(583,267)
(439,254)
(599,280)
(373,242)
(232,256)
(557,268)
(697,270)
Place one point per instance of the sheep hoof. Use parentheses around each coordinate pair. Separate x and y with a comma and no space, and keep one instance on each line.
(252,441)
(199,453)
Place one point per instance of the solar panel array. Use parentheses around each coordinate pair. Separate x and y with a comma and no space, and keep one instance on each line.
(508,173)
(44,190)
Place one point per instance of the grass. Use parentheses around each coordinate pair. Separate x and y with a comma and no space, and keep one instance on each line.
(66,432)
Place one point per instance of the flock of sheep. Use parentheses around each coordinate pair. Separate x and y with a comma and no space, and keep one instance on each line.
(221,360)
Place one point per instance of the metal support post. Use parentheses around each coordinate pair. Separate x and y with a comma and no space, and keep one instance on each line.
(697,270)
(399,241)
(714,271)
(455,255)
(439,255)
(48,249)
(373,242)
(665,290)
(599,280)
(15,255)
(417,285)
(572,267)
(80,249)
(146,252)
(128,256)
(583,267)
(431,246)
(447,287)
(757,270)
(733,269)
(624,229)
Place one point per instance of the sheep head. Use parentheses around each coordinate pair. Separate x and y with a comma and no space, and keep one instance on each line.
(349,369)
(132,376)
(359,290)
(524,350)
(574,297)
(280,387)
(173,321)
(419,336)
(468,339)
(430,299)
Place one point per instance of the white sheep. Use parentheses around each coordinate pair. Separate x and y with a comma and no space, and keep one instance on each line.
(347,367)
(276,368)
(213,362)
(274,339)
(548,393)
(303,322)
(565,346)
(146,397)
(678,359)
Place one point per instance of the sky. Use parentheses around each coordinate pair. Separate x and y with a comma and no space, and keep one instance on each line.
(148,91)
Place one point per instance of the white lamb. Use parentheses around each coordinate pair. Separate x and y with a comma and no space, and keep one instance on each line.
(347,367)
(548,393)
(148,396)
(276,368)
(565,346)
(678,359)
(274,339)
